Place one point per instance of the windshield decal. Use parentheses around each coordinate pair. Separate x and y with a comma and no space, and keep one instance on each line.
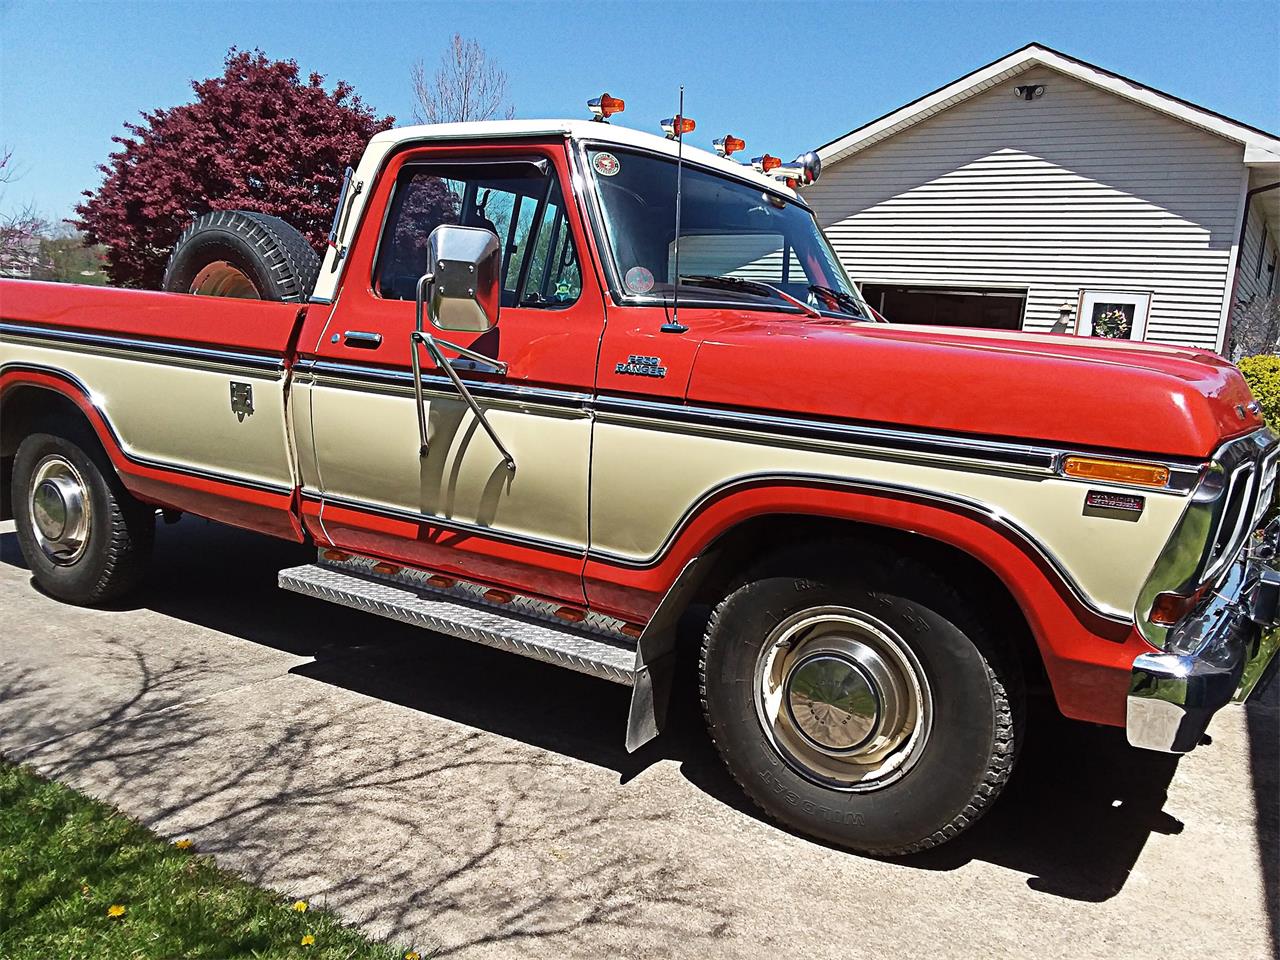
(639,280)
(606,164)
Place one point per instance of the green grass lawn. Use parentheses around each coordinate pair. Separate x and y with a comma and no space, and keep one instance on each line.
(80,880)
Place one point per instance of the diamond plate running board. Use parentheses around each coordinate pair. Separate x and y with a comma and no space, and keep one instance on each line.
(450,615)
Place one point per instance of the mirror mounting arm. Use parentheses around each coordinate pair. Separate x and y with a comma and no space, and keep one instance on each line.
(419,337)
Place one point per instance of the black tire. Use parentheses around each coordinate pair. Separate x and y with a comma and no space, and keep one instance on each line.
(119,529)
(975,691)
(240,253)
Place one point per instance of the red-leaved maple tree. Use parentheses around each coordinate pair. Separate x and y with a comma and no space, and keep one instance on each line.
(256,138)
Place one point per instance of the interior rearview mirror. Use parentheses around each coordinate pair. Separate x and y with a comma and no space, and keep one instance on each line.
(461,289)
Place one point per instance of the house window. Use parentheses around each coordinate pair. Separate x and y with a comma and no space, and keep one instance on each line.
(1118,314)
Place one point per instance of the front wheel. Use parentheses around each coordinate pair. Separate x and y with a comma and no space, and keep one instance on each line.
(870,712)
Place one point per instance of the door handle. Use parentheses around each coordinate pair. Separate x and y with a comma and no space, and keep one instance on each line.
(362,339)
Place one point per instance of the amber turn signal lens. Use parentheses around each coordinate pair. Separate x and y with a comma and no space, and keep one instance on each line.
(605,106)
(1169,608)
(1116,471)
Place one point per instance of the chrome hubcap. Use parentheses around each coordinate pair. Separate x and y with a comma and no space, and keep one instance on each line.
(60,510)
(842,698)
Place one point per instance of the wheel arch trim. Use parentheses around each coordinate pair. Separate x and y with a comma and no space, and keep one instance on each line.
(686,541)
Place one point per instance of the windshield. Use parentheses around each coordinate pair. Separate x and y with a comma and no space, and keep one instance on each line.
(738,243)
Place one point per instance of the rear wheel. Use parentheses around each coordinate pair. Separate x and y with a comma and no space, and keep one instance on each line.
(85,539)
(872,712)
(243,254)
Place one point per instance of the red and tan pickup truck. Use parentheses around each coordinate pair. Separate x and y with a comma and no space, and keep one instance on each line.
(501,411)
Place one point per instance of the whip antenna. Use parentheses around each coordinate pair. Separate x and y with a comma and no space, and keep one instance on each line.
(674,325)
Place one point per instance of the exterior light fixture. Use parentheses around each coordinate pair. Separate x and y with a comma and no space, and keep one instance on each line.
(605,106)
(728,144)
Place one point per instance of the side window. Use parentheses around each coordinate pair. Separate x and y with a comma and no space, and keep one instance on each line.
(520,202)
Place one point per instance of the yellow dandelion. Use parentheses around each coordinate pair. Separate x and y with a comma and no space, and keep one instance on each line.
(183,844)
(115,910)
(308,940)
(412,955)
(300,906)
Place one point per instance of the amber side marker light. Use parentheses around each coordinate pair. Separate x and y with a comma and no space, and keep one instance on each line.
(336,555)
(1116,471)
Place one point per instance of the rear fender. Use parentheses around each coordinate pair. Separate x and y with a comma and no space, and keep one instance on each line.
(164,485)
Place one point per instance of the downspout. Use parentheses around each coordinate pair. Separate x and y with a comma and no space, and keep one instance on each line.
(1244,229)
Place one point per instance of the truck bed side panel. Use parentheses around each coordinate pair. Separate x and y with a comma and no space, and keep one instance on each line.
(161,369)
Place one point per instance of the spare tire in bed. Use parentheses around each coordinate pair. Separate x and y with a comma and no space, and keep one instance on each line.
(240,253)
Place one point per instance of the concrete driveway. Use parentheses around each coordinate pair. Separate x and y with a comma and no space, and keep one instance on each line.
(452,797)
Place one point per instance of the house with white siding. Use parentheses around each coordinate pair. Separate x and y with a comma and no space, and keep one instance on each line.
(1044,193)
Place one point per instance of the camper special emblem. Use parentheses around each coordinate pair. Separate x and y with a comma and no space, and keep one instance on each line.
(642,367)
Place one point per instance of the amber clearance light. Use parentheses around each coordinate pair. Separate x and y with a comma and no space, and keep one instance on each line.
(1116,471)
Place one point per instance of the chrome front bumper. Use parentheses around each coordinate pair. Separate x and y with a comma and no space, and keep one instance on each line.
(1223,651)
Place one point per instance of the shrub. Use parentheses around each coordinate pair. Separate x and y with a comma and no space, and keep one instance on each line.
(1263,374)
(260,137)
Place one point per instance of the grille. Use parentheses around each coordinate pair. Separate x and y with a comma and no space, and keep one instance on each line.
(1251,489)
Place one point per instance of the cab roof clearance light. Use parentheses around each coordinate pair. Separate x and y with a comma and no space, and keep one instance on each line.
(1116,471)
(604,106)
(674,127)
(766,163)
(728,145)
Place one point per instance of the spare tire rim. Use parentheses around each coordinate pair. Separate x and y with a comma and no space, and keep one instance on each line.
(60,510)
(223,279)
(842,698)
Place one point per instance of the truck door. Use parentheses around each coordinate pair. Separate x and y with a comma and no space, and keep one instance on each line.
(458,508)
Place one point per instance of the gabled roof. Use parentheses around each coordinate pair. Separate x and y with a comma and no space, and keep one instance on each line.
(1260,147)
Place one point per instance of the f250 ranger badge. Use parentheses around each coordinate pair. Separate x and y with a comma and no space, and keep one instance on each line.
(642,366)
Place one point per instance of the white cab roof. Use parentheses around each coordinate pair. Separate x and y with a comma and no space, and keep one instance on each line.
(391,140)
(570,129)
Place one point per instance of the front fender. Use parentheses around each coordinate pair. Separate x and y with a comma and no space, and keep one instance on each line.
(1087,652)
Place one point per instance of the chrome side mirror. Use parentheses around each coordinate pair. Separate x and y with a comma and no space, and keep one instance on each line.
(804,169)
(461,289)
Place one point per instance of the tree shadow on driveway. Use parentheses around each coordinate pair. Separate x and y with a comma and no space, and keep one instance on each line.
(1074,818)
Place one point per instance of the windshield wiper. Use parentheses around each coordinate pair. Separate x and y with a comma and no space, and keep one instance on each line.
(841,297)
(742,283)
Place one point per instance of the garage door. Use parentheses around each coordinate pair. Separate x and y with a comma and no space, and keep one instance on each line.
(948,306)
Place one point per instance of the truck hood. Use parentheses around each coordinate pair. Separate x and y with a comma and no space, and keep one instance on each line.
(1051,388)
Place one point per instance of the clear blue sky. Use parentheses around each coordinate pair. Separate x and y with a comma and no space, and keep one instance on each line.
(786,76)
